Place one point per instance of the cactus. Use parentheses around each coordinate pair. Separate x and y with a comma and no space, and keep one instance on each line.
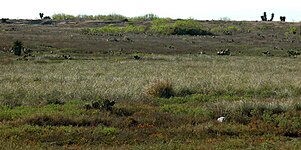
(272,17)
(264,17)
(41,15)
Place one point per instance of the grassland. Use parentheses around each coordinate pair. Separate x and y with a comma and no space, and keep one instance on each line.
(43,96)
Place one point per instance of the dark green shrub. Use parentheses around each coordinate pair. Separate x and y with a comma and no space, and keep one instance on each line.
(180,27)
(17,47)
(187,31)
(189,27)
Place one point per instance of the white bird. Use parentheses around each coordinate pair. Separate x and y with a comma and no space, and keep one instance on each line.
(221,119)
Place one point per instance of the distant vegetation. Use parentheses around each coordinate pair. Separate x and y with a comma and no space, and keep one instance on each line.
(63,16)
(114,29)
(165,26)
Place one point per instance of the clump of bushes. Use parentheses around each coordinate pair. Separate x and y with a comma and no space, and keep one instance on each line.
(180,27)
(189,27)
(147,17)
(106,104)
(160,89)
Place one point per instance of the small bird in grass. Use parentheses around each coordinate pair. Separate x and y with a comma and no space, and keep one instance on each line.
(221,119)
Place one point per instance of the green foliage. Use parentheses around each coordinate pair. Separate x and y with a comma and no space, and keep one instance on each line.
(180,27)
(147,17)
(189,27)
(63,16)
(162,26)
(183,110)
(290,32)
(17,47)
(114,29)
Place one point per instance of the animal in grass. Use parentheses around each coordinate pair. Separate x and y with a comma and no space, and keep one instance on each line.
(137,57)
(221,119)
(224,52)
(293,53)
(267,53)
(107,105)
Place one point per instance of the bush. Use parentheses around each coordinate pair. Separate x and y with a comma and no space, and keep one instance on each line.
(17,47)
(160,88)
(162,26)
(147,17)
(63,17)
(189,27)
(180,27)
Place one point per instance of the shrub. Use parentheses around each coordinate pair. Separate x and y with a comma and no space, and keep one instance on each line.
(160,88)
(180,27)
(164,29)
(63,16)
(189,27)
(147,17)
(17,47)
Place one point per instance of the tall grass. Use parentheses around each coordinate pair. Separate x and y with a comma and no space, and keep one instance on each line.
(125,78)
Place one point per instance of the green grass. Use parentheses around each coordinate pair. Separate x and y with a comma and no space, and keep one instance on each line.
(113,29)
(42,108)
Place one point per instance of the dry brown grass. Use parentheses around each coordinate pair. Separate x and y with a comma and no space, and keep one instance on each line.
(160,88)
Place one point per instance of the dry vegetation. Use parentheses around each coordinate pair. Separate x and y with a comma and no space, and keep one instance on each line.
(169,89)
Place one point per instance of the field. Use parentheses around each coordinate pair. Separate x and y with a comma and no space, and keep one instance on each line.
(169,89)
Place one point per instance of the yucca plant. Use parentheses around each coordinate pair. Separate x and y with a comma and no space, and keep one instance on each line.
(17,47)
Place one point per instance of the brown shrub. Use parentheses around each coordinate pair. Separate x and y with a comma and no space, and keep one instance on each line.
(160,88)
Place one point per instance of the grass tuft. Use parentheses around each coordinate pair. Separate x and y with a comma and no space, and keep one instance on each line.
(160,88)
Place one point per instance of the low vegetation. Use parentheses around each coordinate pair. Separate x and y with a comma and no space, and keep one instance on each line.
(48,108)
(164,26)
(150,83)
